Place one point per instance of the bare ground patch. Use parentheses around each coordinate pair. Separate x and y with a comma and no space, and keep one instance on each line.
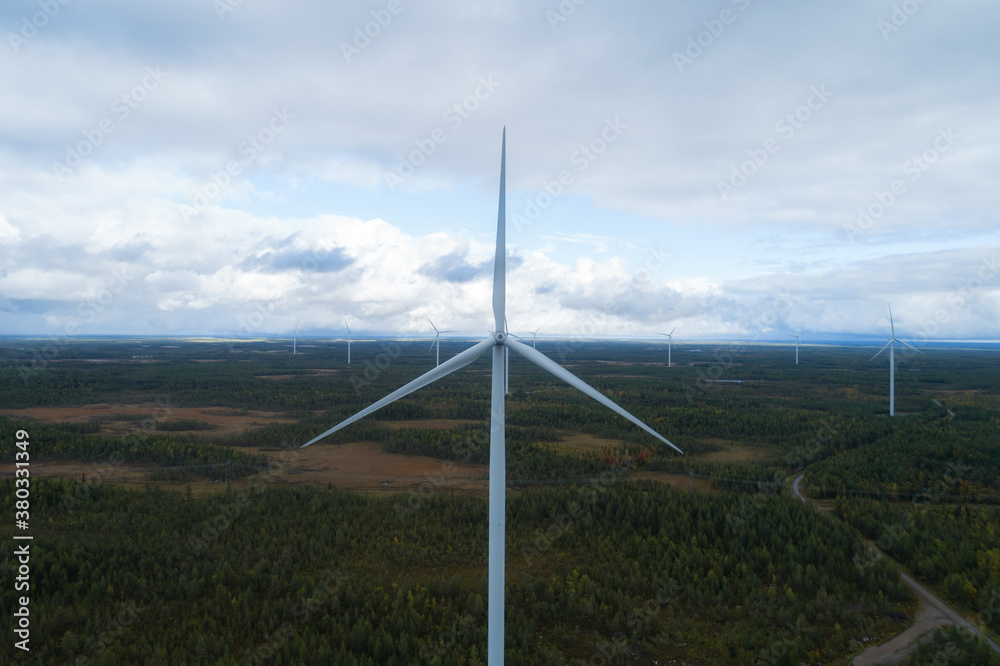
(432,424)
(363,465)
(679,481)
(579,441)
(117,419)
(102,470)
(730,452)
(357,465)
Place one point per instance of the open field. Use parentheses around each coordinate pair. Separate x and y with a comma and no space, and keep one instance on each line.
(362,465)
(678,481)
(117,419)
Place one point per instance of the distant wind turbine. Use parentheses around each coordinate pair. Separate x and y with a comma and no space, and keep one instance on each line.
(670,340)
(437,339)
(892,362)
(295,337)
(348,341)
(534,337)
(498,343)
(796,347)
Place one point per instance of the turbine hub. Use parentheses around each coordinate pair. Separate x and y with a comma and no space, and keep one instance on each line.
(499,335)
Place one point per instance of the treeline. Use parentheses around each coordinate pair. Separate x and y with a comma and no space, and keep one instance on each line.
(937,456)
(952,645)
(55,441)
(302,575)
(954,547)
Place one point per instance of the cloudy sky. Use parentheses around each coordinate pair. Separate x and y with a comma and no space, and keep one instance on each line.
(736,168)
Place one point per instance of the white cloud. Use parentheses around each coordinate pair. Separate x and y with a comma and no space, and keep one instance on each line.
(788,228)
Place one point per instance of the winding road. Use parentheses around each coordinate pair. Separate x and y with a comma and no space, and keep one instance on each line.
(934,612)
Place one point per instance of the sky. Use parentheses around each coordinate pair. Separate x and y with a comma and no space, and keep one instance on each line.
(734,169)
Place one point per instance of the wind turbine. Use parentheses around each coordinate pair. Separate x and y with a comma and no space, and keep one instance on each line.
(437,339)
(534,336)
(670,340)
(498,343)
(892,362)
(796,347)
(295,337)
(348,341)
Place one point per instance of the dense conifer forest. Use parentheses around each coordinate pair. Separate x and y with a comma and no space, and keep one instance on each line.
(218,557)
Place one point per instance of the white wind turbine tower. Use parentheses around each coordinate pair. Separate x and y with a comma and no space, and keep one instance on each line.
(348,341)
(534,337)
(796,347)
(497,344)
(437,339)
(892,362)
(670,341)
(295,337)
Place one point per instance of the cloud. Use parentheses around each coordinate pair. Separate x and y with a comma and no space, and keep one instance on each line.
(744,112)
(320,261)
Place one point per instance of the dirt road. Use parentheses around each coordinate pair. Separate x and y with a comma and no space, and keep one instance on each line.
(934,613)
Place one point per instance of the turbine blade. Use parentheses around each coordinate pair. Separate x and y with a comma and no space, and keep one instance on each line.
(500,259)
(880,350)
(550,366)
(892,327)
(431,323)
(673,329)
(910,346)
(446,368)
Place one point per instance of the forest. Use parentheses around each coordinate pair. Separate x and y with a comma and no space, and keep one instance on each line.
(602,566)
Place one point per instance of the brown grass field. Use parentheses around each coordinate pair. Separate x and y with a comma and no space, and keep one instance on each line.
(117,419)
(363,465)
(678,481)
(356,465)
